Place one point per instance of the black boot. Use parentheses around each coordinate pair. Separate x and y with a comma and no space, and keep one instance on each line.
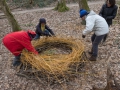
(16,61)
(93,58)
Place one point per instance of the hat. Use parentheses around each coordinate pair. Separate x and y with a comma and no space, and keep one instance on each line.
(31,33)
(42,20)
(83,12)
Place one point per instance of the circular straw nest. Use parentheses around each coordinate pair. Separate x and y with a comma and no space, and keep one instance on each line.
(56,55)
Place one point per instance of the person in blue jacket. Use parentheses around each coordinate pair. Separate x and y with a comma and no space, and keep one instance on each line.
(42,29)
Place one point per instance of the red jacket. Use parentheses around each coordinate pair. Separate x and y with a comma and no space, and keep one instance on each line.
(17,41)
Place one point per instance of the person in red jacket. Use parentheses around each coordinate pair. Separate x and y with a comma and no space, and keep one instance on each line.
(15,42)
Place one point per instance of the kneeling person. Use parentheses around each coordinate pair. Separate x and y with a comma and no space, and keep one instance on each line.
(42,29)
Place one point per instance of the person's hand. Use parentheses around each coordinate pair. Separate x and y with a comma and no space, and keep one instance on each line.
(38,50)
(83,36)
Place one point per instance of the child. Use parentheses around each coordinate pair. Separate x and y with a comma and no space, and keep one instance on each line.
(42,29)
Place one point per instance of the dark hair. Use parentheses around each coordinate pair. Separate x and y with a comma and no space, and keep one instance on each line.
(42,20)
(112,2)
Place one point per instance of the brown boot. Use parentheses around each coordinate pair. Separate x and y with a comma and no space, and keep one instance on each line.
(92,58)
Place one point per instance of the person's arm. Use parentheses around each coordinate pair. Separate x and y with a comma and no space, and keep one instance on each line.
(50,30)
(113,14)
(101,11)
(90,22)
(37,32)
(27,44)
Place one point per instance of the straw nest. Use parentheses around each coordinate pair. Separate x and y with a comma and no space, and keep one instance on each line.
(57,56)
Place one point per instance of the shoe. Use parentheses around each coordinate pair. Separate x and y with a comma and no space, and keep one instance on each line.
(93,58)
(16,61)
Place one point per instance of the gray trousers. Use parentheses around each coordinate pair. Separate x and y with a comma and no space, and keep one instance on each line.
(95,42)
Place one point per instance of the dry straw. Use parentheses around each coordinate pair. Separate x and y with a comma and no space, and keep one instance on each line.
(54,63)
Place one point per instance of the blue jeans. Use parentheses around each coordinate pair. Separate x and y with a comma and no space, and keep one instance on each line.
(45,33)
(95,42)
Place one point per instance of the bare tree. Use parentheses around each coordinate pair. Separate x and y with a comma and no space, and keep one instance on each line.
(83,4)
(31,1)
(4,7)
(61,6)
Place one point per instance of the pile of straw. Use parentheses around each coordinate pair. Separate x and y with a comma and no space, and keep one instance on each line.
(55,64)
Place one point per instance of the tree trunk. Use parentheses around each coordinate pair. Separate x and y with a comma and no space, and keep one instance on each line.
(83,5)
(10,17)
(61,6)
(31,1)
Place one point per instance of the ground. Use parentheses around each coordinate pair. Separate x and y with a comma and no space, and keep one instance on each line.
(65,24)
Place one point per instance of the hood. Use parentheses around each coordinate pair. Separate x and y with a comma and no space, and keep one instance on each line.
(42,20)
(91,13)
(31,33)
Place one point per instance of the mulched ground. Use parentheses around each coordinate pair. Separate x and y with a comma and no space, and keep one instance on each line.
(65,24)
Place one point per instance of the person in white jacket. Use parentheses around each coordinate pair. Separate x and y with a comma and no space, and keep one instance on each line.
(97,24)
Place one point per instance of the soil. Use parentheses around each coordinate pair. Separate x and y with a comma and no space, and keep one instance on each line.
(64,24)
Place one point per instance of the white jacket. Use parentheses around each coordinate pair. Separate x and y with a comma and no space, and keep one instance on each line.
(95,23)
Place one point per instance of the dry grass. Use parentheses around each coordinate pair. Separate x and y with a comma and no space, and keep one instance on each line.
(52,63)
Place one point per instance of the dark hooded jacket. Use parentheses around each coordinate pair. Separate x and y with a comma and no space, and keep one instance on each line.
(38,27)
(108,13)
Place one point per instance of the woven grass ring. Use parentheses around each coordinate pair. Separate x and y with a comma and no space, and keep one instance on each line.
(55,54)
